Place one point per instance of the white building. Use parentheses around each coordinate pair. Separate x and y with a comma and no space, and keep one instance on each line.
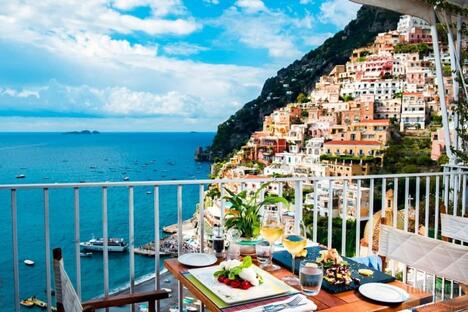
(413,114)
(408,22)
(386,109)
(312,150)
(381,89)
(323,194)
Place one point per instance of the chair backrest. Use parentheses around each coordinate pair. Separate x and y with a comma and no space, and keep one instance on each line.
(434,256)
(66,296)
(454,227)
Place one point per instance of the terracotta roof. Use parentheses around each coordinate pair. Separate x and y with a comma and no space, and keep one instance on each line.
(357,142)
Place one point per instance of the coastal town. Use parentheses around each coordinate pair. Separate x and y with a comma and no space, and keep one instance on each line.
(343,127)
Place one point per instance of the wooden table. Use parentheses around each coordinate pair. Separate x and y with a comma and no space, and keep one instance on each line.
(345,301)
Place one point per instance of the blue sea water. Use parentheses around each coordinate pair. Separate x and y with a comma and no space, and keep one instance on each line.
(55,157)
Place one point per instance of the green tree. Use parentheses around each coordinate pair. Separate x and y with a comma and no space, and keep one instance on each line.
(302,98)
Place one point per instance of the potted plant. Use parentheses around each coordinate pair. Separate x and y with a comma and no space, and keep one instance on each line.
(244,214)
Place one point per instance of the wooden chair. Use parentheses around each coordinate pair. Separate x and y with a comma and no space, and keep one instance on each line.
(68,300)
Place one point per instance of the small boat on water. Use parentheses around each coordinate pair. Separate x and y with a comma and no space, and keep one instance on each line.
(126,178)
(86,254)
(97,244)
(148,192)
(20,176)
(39,303)
(29,262)
(28,302)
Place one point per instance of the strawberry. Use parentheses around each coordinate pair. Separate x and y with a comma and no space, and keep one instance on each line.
(228,281)
(246,285)
(221,279)
(235,284)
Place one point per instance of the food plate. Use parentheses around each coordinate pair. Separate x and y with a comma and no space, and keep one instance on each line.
(383,293)
(197,259)
(271,286)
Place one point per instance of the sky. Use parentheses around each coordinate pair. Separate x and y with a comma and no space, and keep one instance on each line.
(148,65)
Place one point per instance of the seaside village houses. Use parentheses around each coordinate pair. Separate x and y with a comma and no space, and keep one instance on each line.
(345,124)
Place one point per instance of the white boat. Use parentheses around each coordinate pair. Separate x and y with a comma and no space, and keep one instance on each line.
(126,178)
(29,262)
(86,254)
(97,244)
(20,176)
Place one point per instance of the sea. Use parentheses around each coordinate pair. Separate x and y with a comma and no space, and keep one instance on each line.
(58,157)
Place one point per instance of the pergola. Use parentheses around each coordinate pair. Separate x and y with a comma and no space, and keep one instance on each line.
(449,12)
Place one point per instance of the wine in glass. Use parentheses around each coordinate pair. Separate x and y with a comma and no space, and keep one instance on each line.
(294,241)
(271,230)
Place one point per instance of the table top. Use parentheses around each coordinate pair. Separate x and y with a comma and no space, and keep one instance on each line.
(345,301)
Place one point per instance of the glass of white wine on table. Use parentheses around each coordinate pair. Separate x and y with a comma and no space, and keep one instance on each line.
(271,230)
(294,241)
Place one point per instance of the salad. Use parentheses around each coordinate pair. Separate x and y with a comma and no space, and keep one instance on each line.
(336,271)
(237,274)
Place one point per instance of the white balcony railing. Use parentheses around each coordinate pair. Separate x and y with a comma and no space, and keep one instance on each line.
(430,191)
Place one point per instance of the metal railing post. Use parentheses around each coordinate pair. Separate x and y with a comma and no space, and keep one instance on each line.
(105,237)
(47,249)
(358,218)
(371,217)
(14,238)
(157,258)
(76,193)
(131,240)
(201,222)
(180,242)
(315,211)
(344,217)
(298,206)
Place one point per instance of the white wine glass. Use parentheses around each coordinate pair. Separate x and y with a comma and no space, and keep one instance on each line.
(294,241)
(271,230)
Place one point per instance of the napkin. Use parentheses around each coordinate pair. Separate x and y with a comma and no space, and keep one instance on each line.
(307,307)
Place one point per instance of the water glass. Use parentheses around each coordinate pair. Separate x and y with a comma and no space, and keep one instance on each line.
(310,276)
(263,252)
(233,251)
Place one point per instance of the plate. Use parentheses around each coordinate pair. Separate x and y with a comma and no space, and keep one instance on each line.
(197,259)
(271,286)
(383,293)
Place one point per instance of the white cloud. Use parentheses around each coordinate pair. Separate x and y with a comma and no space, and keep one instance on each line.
(62,100)
(183,48)
(214,2)
(338,12)
(271,30)
(251,6)
(305,1)
(158,7)
(90,16)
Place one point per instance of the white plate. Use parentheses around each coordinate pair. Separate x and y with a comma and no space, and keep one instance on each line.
(383,293)
(271,286)
(197,259)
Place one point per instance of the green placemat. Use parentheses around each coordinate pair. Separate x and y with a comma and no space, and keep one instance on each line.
(219,303)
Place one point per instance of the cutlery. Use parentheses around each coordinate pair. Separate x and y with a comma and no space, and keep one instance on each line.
(276,307)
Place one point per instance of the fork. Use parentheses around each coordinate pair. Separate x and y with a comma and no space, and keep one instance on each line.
(277,307)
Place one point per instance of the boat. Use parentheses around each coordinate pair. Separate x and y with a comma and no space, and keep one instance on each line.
(20,176)
(39,303)
(97,244)
(86,254)
(148,192)
(28,302)
(126,178)
(29,262)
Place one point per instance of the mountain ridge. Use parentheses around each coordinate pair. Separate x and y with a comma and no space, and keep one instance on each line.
(299,77)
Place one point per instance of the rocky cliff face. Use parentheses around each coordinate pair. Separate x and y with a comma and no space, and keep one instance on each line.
(300,76)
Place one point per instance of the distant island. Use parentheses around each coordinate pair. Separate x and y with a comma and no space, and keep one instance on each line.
(83,132)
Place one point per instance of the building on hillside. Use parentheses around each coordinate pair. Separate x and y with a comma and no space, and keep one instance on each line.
(353,148)
(381,89)
(408,22)
(386,109)
(413,111)
(313,148)
(346,168)
(338,195)
(418,35)
(437,144)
